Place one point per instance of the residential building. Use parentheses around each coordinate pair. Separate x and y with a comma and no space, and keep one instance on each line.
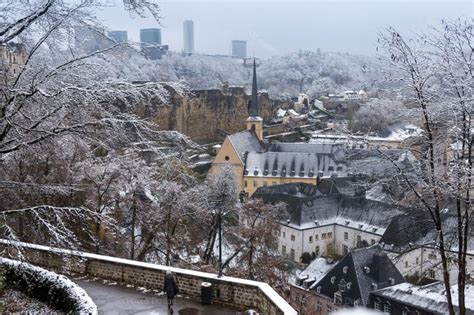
(349,283)
(410,299)
(119,36)
(323,221)
(239,48)
(188,33)
(301,292)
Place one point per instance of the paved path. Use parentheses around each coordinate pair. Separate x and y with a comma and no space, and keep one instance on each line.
(117,299)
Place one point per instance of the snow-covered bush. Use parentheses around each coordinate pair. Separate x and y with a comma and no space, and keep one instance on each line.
(56,290)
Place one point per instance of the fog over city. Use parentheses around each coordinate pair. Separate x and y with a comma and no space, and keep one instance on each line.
(279,27)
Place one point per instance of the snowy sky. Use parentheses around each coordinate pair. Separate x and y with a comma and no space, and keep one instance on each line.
(279,27)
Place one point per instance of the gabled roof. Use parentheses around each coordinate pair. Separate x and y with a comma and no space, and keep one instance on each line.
(367,269)
(243,142)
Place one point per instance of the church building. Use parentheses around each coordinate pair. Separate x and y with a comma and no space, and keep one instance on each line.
(257,162)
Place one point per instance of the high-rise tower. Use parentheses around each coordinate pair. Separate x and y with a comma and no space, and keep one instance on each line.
(188,37)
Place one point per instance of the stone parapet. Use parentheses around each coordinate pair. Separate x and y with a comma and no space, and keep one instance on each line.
(235,292)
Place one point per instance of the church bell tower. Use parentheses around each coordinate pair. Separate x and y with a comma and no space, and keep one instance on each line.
(255,122)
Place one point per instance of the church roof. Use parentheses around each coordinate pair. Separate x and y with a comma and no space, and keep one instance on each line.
(293,164)
(244,141)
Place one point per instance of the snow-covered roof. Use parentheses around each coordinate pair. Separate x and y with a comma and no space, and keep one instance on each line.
(316,270)
(431,297)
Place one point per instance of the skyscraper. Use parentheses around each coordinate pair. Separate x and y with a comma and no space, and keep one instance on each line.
(119,36)
(188,32)
(239,48)
(150,36)
(150,42)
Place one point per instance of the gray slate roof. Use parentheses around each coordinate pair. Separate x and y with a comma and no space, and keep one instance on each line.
(293,164)
(243,142)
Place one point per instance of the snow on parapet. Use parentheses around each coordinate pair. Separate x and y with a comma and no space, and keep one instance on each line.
(85,304)
(266,289)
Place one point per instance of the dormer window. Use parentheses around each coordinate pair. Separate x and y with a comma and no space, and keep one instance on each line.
(344,269)
(318,289)
(255,172)
(333,279)
(330,168)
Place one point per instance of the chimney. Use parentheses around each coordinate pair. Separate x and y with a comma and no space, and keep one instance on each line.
(378,268)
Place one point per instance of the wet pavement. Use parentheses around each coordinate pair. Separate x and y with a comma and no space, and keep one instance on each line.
(112,298)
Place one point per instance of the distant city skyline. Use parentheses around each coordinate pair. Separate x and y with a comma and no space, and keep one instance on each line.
(280,27)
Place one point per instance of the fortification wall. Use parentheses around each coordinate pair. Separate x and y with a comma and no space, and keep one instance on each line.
(202,113)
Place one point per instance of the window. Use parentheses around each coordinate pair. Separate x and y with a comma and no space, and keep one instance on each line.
(310,239)
(328,309)
(316,237)
(346,236)
(417,260)
(359,239)
(337,298)
(284,234)
(372,242)
(405,311)
(265,184)
(333,279)
(274,183)
(292,254)
(319,307)
(316,251)
(329,234)
(245,183)
(255,183)
(227,158)
(406,263)
(432,256)
(293,238)
(377,305)
(387,309)
(283,250)
(344,269)
(431,274)
(323,236)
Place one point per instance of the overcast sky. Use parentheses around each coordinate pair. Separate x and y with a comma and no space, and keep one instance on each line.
(279,27)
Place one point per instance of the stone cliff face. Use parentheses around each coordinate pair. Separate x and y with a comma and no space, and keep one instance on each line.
(205,113)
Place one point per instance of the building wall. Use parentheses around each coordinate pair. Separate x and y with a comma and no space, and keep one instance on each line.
(228,155)
(309,302)
(253,182)
(346,236)
(426,262)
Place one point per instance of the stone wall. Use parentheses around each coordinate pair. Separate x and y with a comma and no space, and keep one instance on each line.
(203,113)
(239,293)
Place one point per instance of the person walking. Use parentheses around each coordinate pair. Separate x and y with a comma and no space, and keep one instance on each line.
(170,287)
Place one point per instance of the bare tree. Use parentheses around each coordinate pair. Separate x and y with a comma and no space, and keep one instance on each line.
(438,69)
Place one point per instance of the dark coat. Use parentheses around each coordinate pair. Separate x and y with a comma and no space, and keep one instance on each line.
(170,286)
